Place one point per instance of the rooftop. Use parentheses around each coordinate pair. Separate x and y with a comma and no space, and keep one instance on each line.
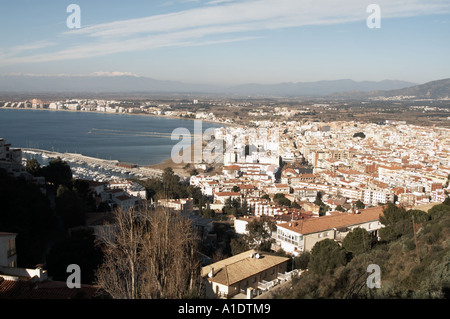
(313,225)
(10,289)
(241,266)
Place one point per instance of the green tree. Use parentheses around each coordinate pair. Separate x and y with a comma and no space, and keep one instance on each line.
(318,201)
(58,172)
(358,241)
(259,235)
(80,249)
(438,211)
(33,167)
(398,222)
(238,245)
(326,255)
(170,183)
(233,206)
(244,210)
(295,205)
(281,199)
(70,207)
(302,260)
(359,134)
(24,210)
(235,189)
(359,204)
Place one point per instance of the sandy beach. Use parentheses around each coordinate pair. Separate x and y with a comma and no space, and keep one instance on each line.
(180,169)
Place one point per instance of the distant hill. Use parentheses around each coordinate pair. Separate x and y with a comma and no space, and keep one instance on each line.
(92,84)
(434,90)
(319,88)
(430,90)
(100,83)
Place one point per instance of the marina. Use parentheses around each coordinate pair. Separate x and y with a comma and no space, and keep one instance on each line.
(86,167)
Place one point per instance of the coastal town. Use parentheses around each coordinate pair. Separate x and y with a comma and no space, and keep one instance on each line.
(312,180)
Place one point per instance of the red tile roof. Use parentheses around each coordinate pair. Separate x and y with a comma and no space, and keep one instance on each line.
(10,289)
(313,225)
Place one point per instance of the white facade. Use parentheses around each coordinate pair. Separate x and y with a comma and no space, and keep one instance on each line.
(375,196)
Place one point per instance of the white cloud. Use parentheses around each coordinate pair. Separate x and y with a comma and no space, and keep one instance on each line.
(225,21)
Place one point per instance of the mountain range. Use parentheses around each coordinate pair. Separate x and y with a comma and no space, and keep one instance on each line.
(126,83)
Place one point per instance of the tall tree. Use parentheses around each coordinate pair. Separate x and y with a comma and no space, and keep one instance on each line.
(33,167)
(58,172)
(150,254)
(326,255)
(260,233)
(358,241)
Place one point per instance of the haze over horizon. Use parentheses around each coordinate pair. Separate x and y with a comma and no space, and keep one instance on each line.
(228,42)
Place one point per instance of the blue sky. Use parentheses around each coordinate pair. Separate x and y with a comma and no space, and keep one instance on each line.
(229,41)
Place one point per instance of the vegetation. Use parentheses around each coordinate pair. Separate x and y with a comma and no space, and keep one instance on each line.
(235,207)
(26,211)
(170,186)
(408,270)
(80,249)
(359,134)
(281,199)
(258,237)
(151,255)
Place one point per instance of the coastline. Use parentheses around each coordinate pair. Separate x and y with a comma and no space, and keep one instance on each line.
(178,168)
(117,113)
(168,162)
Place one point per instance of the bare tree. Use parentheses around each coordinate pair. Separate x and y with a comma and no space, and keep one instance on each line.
(150,253)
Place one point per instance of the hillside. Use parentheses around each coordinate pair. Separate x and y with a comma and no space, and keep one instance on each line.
(137,84)
(434,90)
(319,88)
(406,272)
(439,89)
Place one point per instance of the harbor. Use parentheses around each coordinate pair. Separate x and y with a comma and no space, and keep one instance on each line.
(86,167)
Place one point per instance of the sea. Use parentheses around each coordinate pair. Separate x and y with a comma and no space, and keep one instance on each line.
(141,140)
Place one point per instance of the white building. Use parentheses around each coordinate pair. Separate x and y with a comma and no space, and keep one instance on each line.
(373,196)
(301,235)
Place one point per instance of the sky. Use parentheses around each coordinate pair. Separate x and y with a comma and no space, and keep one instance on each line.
(228,41)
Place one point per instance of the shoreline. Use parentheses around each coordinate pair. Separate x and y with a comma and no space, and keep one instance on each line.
(178,168)
(117,113)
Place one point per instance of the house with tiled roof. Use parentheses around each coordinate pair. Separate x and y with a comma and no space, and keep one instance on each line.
(301,235)
(249,270)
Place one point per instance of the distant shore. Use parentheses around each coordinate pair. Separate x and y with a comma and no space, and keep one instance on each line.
(117,113)
(177,168)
